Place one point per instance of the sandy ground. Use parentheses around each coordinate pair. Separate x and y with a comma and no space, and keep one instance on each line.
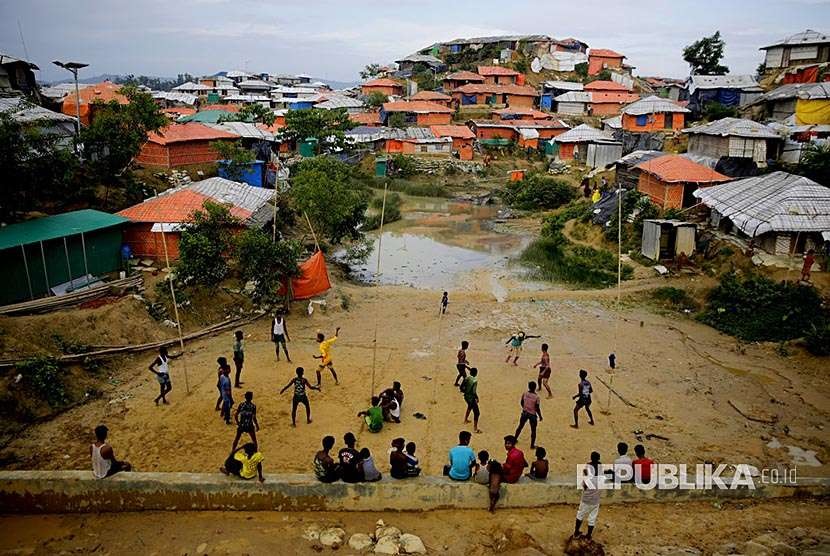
(640,529)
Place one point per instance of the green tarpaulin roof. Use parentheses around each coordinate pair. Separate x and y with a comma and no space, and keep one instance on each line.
(207,117)
(54,227)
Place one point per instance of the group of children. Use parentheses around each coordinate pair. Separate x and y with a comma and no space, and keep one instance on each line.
(353,466)
(385,408)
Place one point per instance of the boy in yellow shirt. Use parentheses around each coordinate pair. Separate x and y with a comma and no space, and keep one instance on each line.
(325,356)
(245,463)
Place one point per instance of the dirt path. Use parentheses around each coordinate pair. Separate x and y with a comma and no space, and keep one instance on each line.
(641,529)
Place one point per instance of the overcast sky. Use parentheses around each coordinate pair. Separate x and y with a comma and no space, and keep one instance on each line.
(335,39)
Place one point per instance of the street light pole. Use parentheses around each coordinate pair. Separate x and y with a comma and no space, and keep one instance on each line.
(73,67)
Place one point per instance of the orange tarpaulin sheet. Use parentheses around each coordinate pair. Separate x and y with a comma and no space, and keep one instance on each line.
(103,92)
(313,279)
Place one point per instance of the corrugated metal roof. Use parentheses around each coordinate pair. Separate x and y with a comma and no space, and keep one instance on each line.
(584,133)
(57,226)
(240,195)
(499,38)
(383,82)
(191,86)
(184,98)
(673,168)
(803,38)
(23,111)
(421,58)
(464,75)
(430,96)
(604,53)
(635,157)
(244,129)
(574,96)
(805,91)
(496,70)
(615,122)
(743,82)
(339,101)
(601,85)
(255,84)
(456,131)
(176,133)
(778,202)
(737,127)
(652,105)
(416,106)
(564,85)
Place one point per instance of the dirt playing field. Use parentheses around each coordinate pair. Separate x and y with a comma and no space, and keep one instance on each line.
(687,392)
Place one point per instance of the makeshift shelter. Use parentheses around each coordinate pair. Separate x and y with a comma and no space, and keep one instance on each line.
(385,86)
(181,145)
(510,114)
(627,174)
(58,254)
(653,114)
(416,140)
(572,102)
(417,112)
(783,213)
(604,86)
(462,138)
(667,239)
(461,78)
(728,90)
(17,76)
(670,180)
(574,145)
(525,133)
(313,279)
(171,210)
(514,96)
(807,47)
(433,97)
(610,103)
(603,58)
(806,103)
(91,95)
(733,137)
(33,117)
(498,75)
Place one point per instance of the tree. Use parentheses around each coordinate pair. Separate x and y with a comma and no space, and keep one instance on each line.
(371,70)
(327,126)
(333,196)
(704,56)
(265,262)
(538,191)
(815,164)
(236,158)
(376,99)
(256,113)
(581,70)
(715,111)
(205,245)
(38,170)
(397,119)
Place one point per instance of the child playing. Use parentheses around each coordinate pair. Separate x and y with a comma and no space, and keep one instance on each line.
(445,300)
(238,356)
(494,468)
(412,468)
(539,468)
(516,341)
(482,474)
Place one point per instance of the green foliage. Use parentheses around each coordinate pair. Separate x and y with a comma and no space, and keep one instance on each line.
(37,169)
(333,195)
(375,99)
(44,376)
(327,126)
(426,80)
(521,65)
(265,262)
(155,83)
(118,131)
(815,163)
(402,166)
(557,259)
(675,298)
(204,245)
(237,158)
(256,113)
(397,119)
(715,111)
(817,339)
(371,70)
(632,233)
(704,56)
(604,75)
(391,213)
(538,191)
(756,308)
(582,70)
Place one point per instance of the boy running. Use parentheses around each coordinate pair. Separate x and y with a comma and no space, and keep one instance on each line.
(544,371)
(583,398)
(462,364)
(300,397)
(325,356)
(516,341)
(531,411)
(469,387)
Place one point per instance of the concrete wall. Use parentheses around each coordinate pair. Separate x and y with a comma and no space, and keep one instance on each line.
(78,491)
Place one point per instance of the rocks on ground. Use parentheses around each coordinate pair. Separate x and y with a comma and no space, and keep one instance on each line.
(386,539)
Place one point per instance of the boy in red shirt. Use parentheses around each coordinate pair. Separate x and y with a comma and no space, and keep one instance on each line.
(515,463)
(642,465)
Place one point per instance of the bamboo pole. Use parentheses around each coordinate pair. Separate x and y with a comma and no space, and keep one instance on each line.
(26,267)
(45,274)
(175,304)
(377,283)
(313,234)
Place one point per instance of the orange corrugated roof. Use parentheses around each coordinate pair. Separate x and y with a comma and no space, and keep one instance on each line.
(475,88)
(273,128)
(415,106)
(496,70)
(103,92)
(179,110)
(365,118)
(614,98)
(675,168)
(226,107)
(173,208)
(464,75)
(383,82)
(429,95)
(603,85)
(535,114)
(455,131)
(604,53)
(191,131)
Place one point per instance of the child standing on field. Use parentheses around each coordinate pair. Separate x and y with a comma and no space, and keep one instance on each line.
(238,356)
(445,300)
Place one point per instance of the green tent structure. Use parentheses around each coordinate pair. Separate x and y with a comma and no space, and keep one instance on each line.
(41,254)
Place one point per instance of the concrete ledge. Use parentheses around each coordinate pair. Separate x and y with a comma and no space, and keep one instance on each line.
(78,491)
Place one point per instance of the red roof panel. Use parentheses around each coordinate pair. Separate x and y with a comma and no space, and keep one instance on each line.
(192,131)
(675,168)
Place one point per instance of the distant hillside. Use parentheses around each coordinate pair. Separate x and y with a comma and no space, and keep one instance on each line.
(116,77)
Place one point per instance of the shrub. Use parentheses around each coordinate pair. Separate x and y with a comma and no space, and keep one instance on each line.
(715,111)
(538,191)
(44,376)
(817,339)
(266,262)
(426,189)
(757,309)
(675,298)
(403,166)
(205,245)
(391,213)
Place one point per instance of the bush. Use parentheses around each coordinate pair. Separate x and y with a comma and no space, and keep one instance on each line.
(415,189)
(538,191)
(817,339)
(403,166)
(715,111)
(267,263)
(675,298)
(757,309)
(44,376)
(391,213)
(205,245)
